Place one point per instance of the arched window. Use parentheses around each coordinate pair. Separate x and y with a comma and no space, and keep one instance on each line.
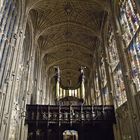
(116,69)
(129,19)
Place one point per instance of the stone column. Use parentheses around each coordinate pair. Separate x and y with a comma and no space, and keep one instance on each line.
(58,83)
(44,89)
(47,90)
(93,80)
(99,74)
(10,87)
(95,93)
(82,83)
(38,75)
(14,91)
(23,129)
(108,67)
(90,99)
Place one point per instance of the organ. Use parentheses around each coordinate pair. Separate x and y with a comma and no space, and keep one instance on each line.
(68,94)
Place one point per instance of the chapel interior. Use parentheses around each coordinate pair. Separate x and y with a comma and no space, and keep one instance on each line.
(69,69)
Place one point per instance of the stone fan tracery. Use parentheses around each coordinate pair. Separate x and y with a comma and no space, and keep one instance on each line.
(66,33)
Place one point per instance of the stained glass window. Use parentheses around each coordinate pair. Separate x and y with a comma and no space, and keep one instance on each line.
(119,88)
(129,19)
(112,49)
(134,58)
(120,93)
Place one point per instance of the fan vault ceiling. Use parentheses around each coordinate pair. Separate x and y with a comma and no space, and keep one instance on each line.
(66,31)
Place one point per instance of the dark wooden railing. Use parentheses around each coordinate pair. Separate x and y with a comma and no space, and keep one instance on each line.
(52,114)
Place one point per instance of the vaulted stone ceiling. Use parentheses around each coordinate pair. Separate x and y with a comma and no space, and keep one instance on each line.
(67,31)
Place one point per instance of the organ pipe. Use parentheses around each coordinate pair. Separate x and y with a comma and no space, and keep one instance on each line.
(62,93)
